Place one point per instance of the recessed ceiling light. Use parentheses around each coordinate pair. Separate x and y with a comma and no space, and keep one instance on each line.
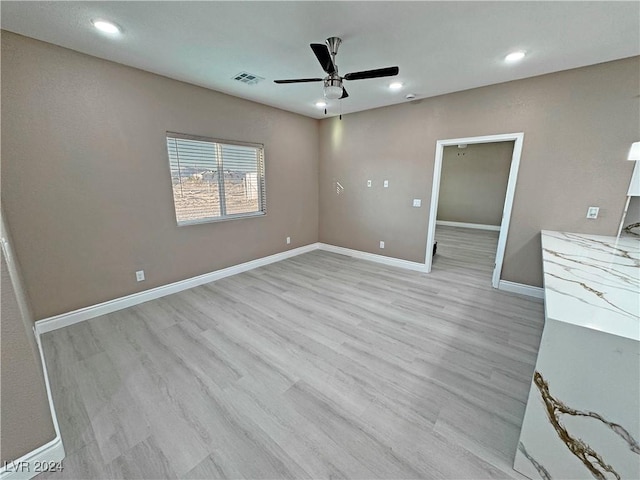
(395,85)
(105,26)
(514,56)
(321,104)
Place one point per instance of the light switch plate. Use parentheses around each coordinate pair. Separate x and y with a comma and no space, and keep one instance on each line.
(592,212)
(417,202)
(368,183)
(386,184)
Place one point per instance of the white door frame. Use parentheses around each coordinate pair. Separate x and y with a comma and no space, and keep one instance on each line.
(508,201)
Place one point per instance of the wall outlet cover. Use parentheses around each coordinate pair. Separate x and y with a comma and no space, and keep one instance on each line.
(417,202)
(288,240)
(140,275)
(381,244)
(386,184)
(592,212)
(368,183)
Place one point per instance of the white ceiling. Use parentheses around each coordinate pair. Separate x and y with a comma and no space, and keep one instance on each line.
(440,47)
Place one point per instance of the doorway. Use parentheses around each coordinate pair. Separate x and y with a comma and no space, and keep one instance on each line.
(517,138)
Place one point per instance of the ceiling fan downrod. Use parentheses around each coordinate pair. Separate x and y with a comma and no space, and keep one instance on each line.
(333,43)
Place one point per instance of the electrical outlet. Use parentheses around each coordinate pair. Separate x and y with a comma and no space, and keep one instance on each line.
(368,183)
(381,244)
(288,240)
(592,213)
(417,202)
(140,275)
(386,184)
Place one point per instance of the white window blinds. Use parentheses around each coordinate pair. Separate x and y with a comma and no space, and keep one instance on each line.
(215,179)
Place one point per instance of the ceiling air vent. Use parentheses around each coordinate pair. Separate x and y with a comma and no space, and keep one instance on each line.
(248,78)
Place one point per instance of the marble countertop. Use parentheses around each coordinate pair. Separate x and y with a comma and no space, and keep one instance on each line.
(593,281)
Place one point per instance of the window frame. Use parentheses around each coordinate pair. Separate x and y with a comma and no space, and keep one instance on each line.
(262,181)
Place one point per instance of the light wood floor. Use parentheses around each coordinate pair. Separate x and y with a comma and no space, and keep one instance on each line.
(315,367)
(467,249)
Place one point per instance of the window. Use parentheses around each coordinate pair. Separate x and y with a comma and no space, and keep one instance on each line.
(215,179)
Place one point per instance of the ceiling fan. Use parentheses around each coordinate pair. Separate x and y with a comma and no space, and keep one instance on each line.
(333,88)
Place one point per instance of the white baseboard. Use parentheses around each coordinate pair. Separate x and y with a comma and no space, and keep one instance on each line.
(536,292)
(65,319)
(82,314)
(46,457)
(51,453)
(372,257)
(478,226)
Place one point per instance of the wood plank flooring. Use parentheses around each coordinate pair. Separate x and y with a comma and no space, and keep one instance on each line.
(465,248)
(320,366)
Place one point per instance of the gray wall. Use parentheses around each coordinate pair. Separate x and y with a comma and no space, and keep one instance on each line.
(578,126)
(85,179)
(83,159)
(473,183)
(25,416)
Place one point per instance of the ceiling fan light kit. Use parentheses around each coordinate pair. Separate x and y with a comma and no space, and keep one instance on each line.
(333,87)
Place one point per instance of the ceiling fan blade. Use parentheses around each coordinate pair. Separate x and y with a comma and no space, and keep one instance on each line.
(344,93)
(377,73)
(324,57)
(299,80)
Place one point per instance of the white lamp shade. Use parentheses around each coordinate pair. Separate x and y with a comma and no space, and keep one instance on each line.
(634,151)
(332,92)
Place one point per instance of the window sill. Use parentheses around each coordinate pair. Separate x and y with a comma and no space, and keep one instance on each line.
(226,218)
